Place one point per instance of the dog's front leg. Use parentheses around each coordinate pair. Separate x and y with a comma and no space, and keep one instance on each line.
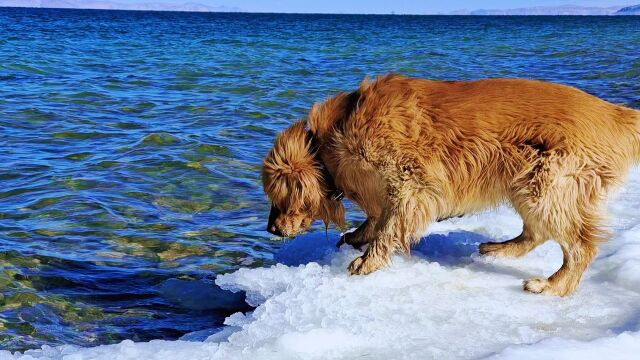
(377,255)
(396,229)
(360,236)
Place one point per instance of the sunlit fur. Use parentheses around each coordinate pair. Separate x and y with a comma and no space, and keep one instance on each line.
(410,151)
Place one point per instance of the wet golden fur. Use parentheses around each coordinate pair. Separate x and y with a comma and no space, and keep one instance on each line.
(410,151)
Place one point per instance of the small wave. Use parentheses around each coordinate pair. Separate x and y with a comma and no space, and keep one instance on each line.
(139,108)
(160,138)
(214,149)
(79,156)
(88,95)
(46,202)
(81,135)
(27,68)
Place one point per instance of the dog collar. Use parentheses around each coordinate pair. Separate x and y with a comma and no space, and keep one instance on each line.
(336,195)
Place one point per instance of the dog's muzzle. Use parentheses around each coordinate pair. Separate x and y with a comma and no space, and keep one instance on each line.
(271,225)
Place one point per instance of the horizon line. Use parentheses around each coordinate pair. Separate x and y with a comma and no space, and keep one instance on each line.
(305,13)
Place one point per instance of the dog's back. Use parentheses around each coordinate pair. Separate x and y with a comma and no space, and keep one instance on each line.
(511,111)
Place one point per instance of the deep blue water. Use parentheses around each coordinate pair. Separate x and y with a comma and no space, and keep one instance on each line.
(131,143)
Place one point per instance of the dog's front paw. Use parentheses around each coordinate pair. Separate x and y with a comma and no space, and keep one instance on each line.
(497,249)
(363,265)
(354,239)
(354,267)
(489,248)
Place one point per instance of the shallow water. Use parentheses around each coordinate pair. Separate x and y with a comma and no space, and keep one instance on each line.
(131,142)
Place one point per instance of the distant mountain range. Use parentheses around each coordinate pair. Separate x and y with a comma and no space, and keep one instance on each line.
(555,10)
(629,10)
(112,5)
(195,7)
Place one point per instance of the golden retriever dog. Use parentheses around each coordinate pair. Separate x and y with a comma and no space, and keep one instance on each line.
(411,151)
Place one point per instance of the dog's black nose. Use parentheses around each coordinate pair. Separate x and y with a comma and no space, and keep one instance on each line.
(274,230)
(271,225)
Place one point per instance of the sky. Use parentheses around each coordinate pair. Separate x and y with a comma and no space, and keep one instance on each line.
(386,6)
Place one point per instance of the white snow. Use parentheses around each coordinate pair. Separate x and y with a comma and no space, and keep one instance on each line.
(443,302)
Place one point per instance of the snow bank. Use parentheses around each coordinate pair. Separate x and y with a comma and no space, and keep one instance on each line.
(443,302)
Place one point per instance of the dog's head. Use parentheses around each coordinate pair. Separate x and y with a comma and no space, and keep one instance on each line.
(296,184)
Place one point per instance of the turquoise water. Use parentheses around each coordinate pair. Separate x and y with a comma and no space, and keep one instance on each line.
(131,143)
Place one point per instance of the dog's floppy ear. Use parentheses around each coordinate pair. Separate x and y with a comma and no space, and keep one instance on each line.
(333,212)
(291,175)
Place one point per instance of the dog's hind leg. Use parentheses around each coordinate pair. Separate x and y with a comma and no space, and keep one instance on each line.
(516,247)
(576,226)
(577,255)
(563,199)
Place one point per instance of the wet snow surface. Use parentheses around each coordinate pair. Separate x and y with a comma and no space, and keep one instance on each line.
(443,302)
